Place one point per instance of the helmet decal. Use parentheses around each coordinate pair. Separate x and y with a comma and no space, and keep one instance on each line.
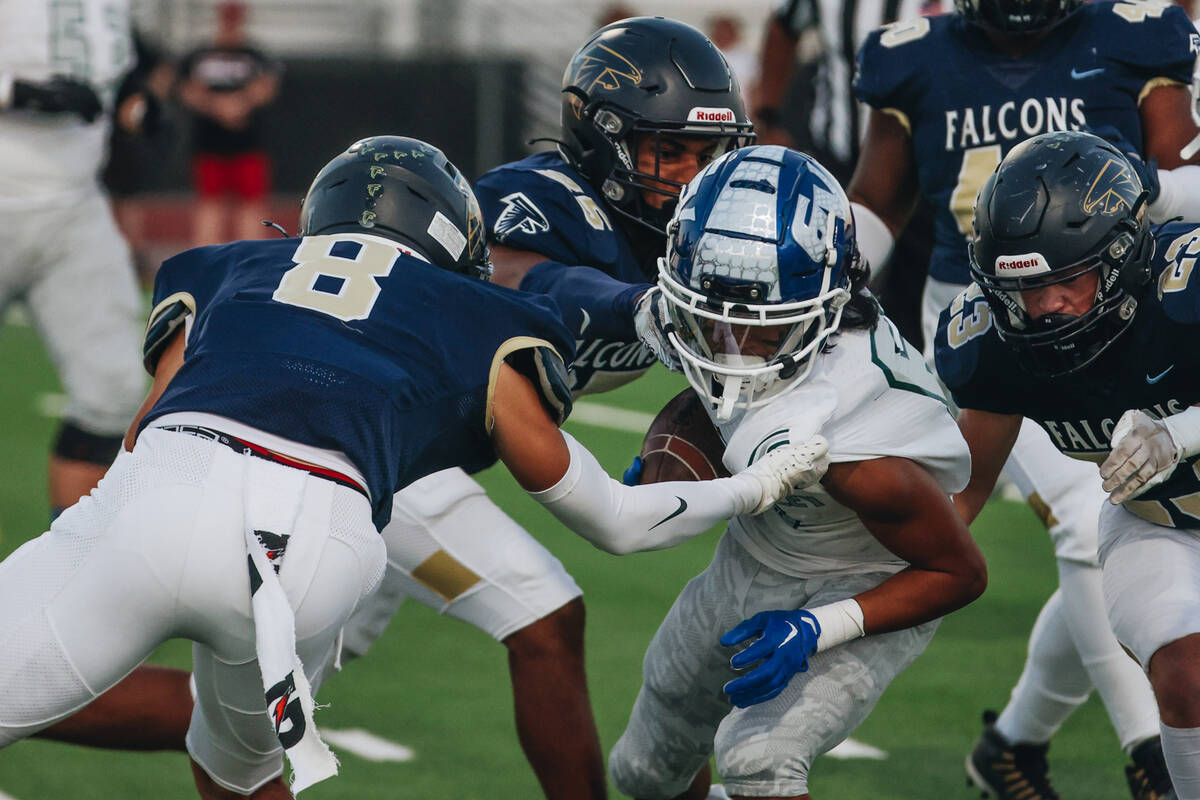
(604,68)
(1114,190)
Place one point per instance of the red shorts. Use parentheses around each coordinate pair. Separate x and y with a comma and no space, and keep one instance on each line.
(248,175)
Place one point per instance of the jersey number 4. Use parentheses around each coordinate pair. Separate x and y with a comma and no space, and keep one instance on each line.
(336,275)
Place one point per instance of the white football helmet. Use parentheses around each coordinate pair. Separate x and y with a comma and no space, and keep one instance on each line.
(757,271)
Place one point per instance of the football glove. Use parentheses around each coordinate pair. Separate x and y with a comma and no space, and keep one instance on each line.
(652,324)
(787,468)
(1144,454)
(60,94)
(785,641)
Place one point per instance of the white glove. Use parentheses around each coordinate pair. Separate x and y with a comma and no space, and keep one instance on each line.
(1144,454)
(651,322)
(787,468)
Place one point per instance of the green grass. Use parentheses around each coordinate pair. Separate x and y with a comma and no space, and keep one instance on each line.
(441,687)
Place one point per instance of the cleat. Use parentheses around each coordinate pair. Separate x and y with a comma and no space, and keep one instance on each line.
(1147,775)
(1005,771)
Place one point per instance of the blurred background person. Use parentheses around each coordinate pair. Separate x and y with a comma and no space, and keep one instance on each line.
(725,31)
(143,138)
(811,106)
(62,255)
(226,85)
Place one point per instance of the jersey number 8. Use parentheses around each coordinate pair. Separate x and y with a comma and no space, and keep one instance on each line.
(349,290)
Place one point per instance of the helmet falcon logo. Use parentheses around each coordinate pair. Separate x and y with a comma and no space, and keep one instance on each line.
(520,214)
(606,71)
(1113,190)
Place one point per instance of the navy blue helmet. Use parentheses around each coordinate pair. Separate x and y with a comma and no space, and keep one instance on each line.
(633,81)
(1061,205)
(405,190)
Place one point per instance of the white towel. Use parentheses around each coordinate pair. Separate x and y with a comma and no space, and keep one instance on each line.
(272,503)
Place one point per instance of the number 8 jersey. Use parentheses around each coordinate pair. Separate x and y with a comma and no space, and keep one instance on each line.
(352,343)
(965,104)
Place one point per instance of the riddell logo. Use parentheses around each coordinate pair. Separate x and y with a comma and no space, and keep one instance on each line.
(712,115)
(1024,264)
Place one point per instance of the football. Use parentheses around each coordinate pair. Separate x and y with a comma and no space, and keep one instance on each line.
(682,444)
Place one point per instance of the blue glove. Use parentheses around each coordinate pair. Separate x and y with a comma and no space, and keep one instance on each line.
(633,473)
(1147,171)
(785,641)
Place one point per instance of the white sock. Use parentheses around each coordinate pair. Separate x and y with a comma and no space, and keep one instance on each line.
(1122,684)
(717,792)
(1053,682)
(1181,747)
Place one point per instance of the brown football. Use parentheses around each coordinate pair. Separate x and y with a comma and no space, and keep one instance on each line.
(682,444)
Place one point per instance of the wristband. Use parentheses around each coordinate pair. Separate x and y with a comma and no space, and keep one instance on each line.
(840,622)
(1184,428)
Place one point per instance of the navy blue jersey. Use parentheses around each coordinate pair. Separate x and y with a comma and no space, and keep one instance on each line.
(348,342)
(966,105)
(1154,366)
(543,204)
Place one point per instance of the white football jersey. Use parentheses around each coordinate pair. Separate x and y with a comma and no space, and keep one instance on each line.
(871,396)
(46,156)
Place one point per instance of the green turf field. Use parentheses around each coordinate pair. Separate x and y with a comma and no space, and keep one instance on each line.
(440,687)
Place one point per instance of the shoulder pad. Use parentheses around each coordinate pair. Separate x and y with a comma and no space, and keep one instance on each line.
(166,318)
(892,62)
(541,204)
(961,327)
(1153,38)
(545,368)
(1173,271)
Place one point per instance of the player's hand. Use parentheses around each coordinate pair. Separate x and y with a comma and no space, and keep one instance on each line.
(1147,171)
(785,641)
(787,468)
(62,94)
(652,324)
(1144,454)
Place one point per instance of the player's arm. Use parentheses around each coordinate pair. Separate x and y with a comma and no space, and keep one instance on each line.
(586,297)
(1168,129)
(169,362)
(903,507)
(883,189)
(990,438)
(561,474)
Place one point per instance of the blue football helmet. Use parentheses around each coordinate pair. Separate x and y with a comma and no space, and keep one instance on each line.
(757,271)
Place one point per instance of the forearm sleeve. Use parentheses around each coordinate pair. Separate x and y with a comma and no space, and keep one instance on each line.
(627,519)
(607,302)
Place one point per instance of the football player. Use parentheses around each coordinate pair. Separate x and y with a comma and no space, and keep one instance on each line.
(1081,319)
(63,256)
(824,600)
(297,384)
(583,223)
(949,96)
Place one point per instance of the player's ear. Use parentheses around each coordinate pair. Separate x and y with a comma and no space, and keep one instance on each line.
(523,433)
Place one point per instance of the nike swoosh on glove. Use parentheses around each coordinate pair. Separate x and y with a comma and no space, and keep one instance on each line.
(787,468)
(652,324)
(1144,454)
(785,641)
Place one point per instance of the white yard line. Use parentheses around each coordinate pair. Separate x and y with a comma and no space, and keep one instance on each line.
(4,796)
(620,419)
(365,745)
(852,748)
